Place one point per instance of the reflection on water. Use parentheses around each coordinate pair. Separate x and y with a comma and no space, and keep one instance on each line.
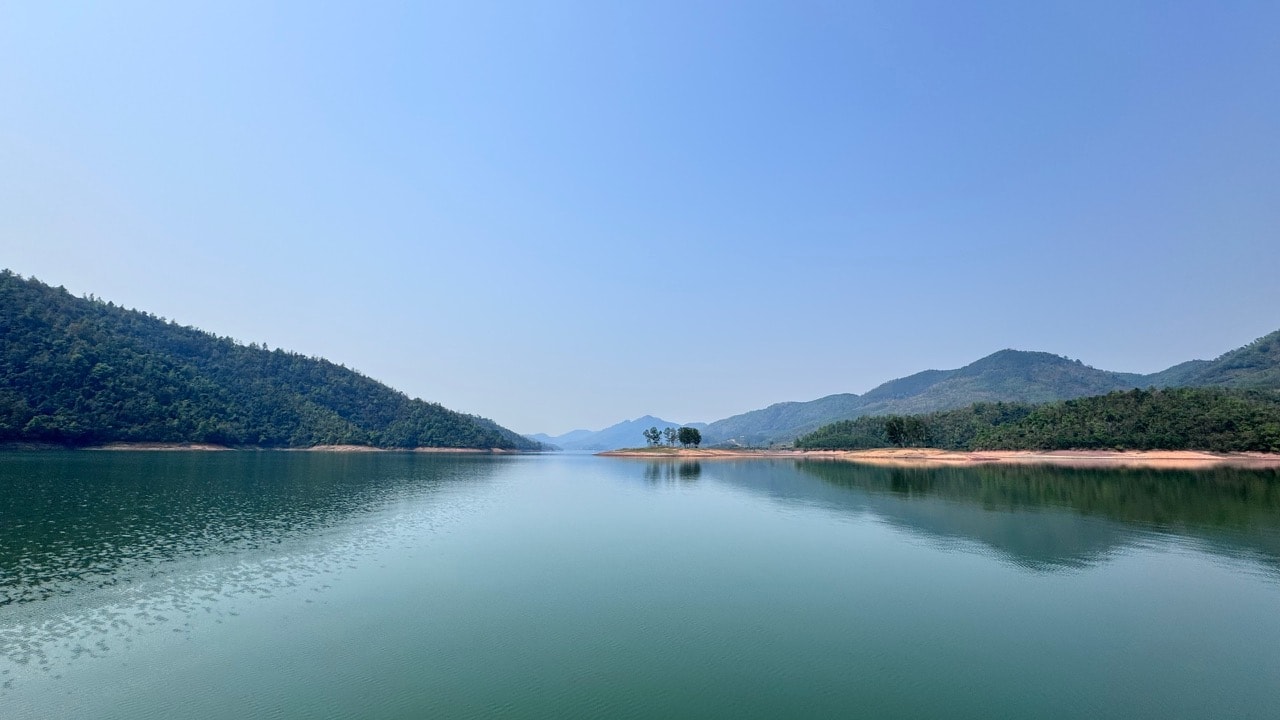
(1039,518)
(1055,517)
(297,585)
(89,519)
(668,472)
(98,547)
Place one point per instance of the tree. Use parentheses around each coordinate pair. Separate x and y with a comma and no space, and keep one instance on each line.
(908,431)
(689,436)
(653,436)
(670,436)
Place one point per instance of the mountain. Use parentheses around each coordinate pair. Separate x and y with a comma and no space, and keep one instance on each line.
(545,440)
(621,435)
(77,372)
(1216,419)
(1256,365)
(1178,375)
(1006,376)
(780,422)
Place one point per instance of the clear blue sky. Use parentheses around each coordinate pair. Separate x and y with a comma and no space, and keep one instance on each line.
(561,215)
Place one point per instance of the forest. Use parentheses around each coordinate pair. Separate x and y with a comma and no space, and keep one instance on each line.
(1214,419)
(80,371)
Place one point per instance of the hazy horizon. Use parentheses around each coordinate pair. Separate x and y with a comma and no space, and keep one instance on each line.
(564,216)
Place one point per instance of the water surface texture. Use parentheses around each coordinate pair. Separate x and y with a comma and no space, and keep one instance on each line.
(275,584)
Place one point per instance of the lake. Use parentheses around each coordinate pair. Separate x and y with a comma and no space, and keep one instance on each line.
(389,585)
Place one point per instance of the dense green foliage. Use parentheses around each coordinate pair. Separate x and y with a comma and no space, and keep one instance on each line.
(947,429)
(1217,419)
(686,436)
(80,372)
(689,436)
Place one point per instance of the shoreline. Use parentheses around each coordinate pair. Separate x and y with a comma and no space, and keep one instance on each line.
(927,457)
(210,447)
(898,457)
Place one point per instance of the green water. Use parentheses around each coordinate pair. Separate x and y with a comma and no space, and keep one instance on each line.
(283,585)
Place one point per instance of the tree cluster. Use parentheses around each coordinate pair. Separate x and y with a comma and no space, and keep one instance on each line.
(686,436)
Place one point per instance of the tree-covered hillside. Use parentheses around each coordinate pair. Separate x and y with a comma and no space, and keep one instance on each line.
(80,372)
(1005,376)
(1216,419)
(1256,365)
(945,429)
(1008,376)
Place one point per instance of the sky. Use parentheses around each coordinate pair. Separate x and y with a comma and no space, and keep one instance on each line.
(563,214)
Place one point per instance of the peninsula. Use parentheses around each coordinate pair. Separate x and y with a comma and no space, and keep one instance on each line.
(929,457)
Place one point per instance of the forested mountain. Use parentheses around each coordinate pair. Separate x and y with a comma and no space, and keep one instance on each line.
(945,429)
(627,433)
(1216,419)
(1256,365)
(1008,376)
(1005,376)
(78,372)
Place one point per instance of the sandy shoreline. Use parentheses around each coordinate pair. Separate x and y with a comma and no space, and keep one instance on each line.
(153,446)
(922,457)
(902,457)
(367,448)
(209,447)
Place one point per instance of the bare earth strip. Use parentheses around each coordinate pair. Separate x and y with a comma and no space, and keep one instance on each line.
(316,448)
(158,446)
(367,448)
(923,457)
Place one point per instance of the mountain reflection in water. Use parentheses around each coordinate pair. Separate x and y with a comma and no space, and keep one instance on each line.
(81,519)
(1040,518)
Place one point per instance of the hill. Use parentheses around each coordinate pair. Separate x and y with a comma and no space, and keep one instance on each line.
(780,422)
(1214,419)
(619,435)
(1007,376)
(1256,365)
(78,372)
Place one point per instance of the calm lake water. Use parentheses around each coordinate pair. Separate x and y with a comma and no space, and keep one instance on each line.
(282,585)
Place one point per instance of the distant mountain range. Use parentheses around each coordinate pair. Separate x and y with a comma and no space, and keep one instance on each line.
(1008,376)
(627,433)
(77,372)
(1004,376)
